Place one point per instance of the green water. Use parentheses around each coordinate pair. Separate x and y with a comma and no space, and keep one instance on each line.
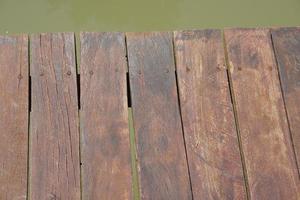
(143,15)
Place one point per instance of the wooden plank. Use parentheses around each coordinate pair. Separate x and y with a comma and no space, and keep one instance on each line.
(287,49)
(269,158)
(162,165)
(106,167)
(207,115)
(13,116)
(54,125)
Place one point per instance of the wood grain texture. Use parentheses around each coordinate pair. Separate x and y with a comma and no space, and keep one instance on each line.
(287,49)
(207,115)
(54,130)
(106,162)
(162,165)
(13,116)
(269,158)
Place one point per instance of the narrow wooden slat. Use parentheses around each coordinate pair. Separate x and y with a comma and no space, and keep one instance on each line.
(162,165)
(269,158)
(106,163)
(13,116)
(54,130)
(287,49)
(207,115)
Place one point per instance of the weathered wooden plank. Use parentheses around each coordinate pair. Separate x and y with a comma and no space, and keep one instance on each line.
(162,165)
(13,116)
(54,127)
(210,133)
(287,50)
(269,158)
(106,163)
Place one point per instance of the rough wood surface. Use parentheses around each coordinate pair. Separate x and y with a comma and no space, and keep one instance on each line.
(210,133)
(287,49)
(13,116)
(270,162)
(54,130)
(106,163)
(162,164)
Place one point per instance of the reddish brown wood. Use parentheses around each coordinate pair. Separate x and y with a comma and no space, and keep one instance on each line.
(162,165)
(54,130)
(207,115)
(13,116)
(270,162)
(106,167)
(287,49)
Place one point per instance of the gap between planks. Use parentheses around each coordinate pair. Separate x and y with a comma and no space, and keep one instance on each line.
(180,113)
(233,102)
(284,103)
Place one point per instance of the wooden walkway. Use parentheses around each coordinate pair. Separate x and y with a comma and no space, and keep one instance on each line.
(216,115)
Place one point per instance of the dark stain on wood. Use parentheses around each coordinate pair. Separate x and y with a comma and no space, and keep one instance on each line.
(54,125)
(106,167)
(207,115)
(162,164)
(261,116)
(13,116)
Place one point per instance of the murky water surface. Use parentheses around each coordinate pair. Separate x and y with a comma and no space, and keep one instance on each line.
(143,15)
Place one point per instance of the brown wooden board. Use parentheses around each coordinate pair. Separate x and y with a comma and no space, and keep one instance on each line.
(106,162)
(162,164)
(13,116)
(207,115)
(54,130)
(269,158)
(287,49)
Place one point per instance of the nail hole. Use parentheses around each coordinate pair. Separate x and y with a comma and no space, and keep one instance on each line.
(270,68)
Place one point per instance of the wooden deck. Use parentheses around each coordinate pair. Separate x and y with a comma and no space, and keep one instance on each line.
(216,115)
